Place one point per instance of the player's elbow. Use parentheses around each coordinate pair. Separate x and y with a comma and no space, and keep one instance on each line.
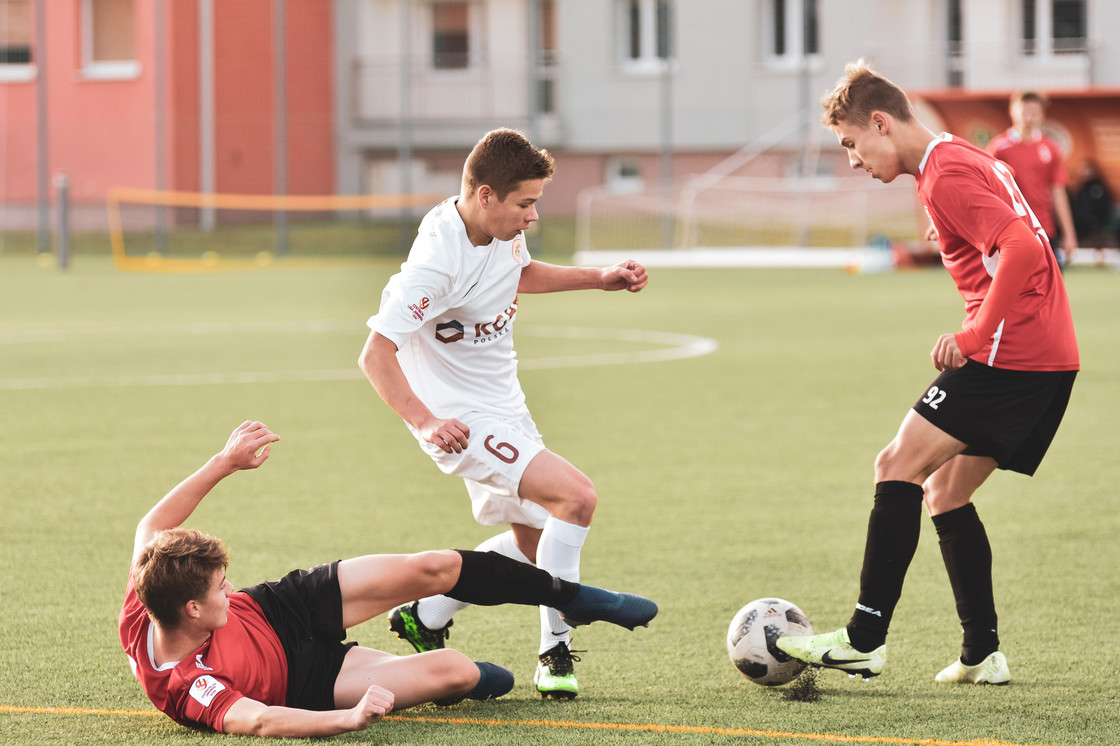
(373,354)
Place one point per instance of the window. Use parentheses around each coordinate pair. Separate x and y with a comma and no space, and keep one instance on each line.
(108,39)
(1030,33)
(546,66)
(794,29)
(15,40)
(1069,26)
(451,40)
(624,175)
(1054,27)
(954,32)
(646,34)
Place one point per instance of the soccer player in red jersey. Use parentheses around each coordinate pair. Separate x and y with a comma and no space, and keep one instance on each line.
(1039,167)
(270,660)
(1004,382)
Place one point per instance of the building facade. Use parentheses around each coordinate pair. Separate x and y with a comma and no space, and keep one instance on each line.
(386,96)
(161,94)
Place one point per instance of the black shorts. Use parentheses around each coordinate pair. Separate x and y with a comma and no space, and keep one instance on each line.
(305,609)
(1007,415)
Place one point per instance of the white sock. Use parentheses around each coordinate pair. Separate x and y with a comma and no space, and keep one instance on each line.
(436,611)
(558,552)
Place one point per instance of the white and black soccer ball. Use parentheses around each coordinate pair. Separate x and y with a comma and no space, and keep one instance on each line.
(751,636)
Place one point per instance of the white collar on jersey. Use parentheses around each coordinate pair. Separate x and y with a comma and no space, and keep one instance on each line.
(943,137)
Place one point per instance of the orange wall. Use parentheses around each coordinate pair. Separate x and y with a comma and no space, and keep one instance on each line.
(245,136)
(102,133)
(18,162)
(310,98)
(182,97)
(1085,123)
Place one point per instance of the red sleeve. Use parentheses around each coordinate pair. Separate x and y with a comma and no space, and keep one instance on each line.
(204,700)
(1019,251)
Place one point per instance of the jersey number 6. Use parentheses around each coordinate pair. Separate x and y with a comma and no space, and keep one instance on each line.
(504,451)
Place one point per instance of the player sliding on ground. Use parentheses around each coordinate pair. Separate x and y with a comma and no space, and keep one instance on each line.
(270,660)
(1005,379)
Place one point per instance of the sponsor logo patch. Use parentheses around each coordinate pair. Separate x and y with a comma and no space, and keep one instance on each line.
(452,331)
(516,250)
(205,688)
(419,307)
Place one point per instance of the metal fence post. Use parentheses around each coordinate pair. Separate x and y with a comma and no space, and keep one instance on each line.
(62,187)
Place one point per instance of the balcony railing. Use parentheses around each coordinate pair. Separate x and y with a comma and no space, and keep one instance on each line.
(386,91)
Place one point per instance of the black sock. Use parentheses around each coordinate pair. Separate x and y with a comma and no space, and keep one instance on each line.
(892,538)
(968,560)
(489,579)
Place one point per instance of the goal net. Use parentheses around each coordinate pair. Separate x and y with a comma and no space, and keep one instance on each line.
(174,231)
(746,219)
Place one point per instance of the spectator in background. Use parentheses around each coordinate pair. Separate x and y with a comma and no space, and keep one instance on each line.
(1040,171)
(1093,209)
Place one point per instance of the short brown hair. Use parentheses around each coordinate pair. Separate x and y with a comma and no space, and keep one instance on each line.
(1030,96)
(502,159)
(175,567)
(860,92)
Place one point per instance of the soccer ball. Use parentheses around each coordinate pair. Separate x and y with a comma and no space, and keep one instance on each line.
(751,636)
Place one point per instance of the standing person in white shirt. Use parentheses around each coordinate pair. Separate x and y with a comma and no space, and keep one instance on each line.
(440,354)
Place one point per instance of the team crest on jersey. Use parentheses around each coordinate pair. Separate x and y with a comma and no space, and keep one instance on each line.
(516,250)
(419,308)
(205,688)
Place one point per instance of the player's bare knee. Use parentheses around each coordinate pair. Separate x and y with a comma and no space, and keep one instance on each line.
(884,462)
(458,673)
(581,504)
(436,569)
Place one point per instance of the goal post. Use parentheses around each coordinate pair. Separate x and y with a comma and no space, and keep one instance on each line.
(776,220)
(153,230)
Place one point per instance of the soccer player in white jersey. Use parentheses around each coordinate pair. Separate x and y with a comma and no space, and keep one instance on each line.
(440,354)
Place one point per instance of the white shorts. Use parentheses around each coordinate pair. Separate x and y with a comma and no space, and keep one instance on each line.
(497,454)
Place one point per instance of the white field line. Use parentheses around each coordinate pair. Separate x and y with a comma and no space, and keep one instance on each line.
(674,347)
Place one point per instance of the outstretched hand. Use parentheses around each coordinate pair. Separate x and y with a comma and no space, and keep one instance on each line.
(628,275)
(248,446)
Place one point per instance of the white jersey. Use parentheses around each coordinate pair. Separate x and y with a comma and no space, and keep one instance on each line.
(450,312)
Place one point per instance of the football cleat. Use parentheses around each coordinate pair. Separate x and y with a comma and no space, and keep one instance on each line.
(556,676)
(834,650)
(991,670)
(406,623)
(594,604)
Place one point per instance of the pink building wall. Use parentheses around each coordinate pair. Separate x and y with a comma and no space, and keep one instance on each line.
(103,133)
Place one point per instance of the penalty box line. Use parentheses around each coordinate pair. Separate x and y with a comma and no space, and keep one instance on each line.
(565,724)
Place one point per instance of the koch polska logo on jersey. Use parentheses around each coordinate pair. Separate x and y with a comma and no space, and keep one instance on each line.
(481,332)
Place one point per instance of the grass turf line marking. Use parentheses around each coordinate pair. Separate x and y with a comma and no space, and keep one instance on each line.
(675,347)
(636,727)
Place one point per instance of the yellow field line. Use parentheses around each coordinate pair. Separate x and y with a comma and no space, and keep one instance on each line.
(637,727)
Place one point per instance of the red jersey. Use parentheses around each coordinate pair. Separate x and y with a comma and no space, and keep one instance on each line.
(1038,165)
(242,659)
(971,198)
